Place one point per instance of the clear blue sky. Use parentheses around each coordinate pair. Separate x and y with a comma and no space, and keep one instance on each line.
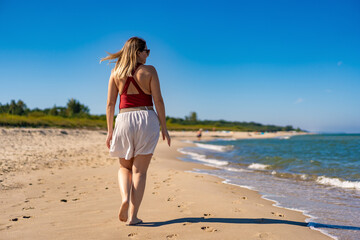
(273,62)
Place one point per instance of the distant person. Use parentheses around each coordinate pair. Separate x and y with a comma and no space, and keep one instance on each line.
(199,134)
(136,132)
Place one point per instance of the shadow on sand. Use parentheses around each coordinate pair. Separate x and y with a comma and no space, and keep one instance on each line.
(244,221)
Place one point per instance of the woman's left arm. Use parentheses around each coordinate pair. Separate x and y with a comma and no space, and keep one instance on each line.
(110,108)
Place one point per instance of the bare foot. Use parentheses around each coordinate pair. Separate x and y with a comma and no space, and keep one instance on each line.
(135,221)
(123,213)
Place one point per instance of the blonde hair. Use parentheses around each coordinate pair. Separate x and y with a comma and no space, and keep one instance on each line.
(126,57)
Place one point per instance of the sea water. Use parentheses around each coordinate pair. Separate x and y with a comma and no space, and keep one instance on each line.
(316,174)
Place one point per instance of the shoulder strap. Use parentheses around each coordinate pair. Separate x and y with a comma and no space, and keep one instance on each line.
(136,85)
(131,79)
(126,86)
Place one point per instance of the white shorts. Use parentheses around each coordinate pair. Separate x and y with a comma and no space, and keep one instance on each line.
(135,133)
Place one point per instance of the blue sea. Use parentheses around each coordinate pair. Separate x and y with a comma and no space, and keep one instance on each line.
(317,174)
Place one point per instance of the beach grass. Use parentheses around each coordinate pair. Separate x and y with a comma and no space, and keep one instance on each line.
(39,119)
(9,120)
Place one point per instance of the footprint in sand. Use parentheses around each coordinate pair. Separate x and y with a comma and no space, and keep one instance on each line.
(167,180)
(209,229)
(156,187)
(278,214)
(171,236)
(183,208)
(237,210)
(155,193)
(27,208)
(264,236)
(132,234)
(26,216)
(206,215)
(170,199)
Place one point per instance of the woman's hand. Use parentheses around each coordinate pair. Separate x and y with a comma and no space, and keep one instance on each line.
(108,139)
(166,135)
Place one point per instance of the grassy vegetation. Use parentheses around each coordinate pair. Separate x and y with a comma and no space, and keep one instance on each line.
(99,122)
(10,120)
(76,115)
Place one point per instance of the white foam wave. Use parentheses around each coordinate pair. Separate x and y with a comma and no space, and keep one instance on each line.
(258,166)
(215,147)
(303,176)
(227,181)
(231,169)
(202,158)
(338,183)
(284,137)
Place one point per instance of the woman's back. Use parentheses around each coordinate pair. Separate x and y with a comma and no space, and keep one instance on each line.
(142,76)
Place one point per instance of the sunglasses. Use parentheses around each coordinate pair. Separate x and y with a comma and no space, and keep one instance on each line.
(147,51)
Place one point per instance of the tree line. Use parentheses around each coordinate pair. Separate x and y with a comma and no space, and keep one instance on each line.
(73,108)
(192,119)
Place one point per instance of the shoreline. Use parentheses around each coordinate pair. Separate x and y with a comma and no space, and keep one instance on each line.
(79,198)
(239,136)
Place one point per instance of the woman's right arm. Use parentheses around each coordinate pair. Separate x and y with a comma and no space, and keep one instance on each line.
(110,108)
(159,102)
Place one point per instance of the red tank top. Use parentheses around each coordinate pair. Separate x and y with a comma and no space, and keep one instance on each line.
(134,100)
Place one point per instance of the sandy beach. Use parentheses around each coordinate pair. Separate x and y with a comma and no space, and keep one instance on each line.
(62,184)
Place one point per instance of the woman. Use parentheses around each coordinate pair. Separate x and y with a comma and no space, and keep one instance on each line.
(136,130)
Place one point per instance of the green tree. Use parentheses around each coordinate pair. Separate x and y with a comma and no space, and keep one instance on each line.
(17,108)
(193,117)
(74,107)
(288,128)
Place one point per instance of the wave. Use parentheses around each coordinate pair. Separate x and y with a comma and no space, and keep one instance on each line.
(231,169)
(258,166)
(338,182)
(283,137)
(226,139)
(218,148)
(202,158)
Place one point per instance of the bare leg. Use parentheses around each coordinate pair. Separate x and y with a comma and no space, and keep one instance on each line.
(140,167)
(124,177)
